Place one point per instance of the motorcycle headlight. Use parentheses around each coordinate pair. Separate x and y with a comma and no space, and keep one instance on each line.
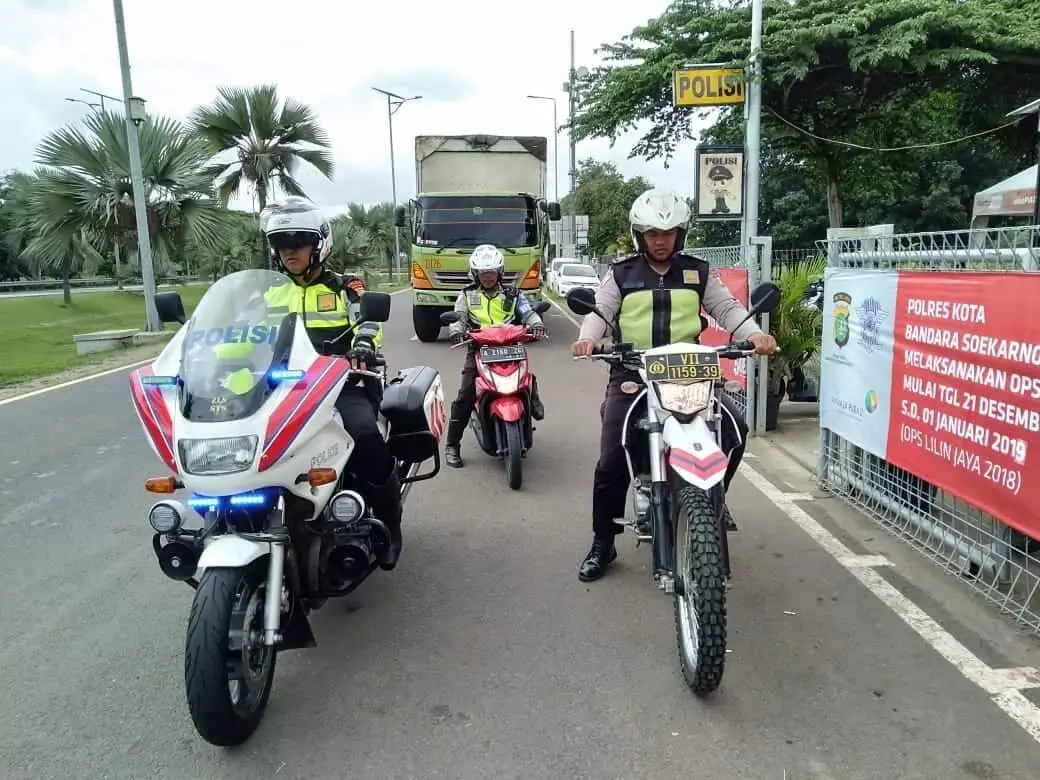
(683,397)
(213,457)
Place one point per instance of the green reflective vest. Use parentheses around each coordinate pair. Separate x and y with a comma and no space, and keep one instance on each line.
(322,307)
(660,309)
(485,310)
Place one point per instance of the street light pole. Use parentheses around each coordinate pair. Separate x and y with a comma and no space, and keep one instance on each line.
(102,96)
(101,106)
(571,88)
(556,146)
(754,127)
(135,115)
(393,103)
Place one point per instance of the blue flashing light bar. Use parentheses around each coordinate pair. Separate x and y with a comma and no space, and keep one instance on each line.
(160,381)
(286,375)
(213,503)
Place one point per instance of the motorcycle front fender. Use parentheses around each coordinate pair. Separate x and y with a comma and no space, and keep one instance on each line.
(232,552)
(507,408)
(693,453)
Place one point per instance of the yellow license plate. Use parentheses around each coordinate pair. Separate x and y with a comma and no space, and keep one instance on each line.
(684,367)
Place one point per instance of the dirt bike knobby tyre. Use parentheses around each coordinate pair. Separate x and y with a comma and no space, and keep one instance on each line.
(702,573)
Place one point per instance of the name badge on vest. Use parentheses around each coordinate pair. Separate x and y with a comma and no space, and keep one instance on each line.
(690,276)
(327,302)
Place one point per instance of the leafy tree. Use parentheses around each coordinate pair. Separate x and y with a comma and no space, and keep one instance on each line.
(14,224)
(267,138)
(606,196)
(82,197)
(852,70)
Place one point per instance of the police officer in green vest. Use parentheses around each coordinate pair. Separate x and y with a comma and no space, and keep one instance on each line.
(485,302)
(654,298)
(328,305)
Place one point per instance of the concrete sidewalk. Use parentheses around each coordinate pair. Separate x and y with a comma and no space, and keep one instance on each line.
(798,433)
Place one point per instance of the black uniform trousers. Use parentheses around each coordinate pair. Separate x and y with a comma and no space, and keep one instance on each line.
(611,478)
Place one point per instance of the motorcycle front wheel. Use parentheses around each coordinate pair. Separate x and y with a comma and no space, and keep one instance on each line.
(228,671)
(700,610)
(514,455)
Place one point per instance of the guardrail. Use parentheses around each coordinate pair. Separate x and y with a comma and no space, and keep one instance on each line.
(34,285)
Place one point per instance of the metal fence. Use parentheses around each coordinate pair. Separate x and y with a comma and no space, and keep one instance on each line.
(757,259)
(1000,564)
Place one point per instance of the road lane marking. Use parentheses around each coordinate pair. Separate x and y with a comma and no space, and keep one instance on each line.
(1004,686)
(99,374)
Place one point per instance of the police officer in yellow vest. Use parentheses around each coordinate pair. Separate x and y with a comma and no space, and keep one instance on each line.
(328,304)
(486,301)
(654,298)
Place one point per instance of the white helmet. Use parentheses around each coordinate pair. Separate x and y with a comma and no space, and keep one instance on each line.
(294,223)
(486,257)
(659,210)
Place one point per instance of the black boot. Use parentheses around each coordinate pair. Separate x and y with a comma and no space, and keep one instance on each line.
(537,409)
(728,518)
(452,442)
(386,504)
(600,556)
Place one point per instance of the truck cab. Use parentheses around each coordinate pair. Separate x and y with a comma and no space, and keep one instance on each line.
(447,223)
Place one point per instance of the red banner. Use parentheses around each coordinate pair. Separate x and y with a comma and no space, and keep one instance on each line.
(736,279)
(965,392)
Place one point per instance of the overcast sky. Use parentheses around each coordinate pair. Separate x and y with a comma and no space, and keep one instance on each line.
(474,63)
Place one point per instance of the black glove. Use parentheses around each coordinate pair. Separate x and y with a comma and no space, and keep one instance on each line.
(363,353)
(457,338)
(539,332)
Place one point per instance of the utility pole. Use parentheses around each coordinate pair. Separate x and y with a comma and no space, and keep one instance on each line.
(393,103)
(754,129)
(134,108)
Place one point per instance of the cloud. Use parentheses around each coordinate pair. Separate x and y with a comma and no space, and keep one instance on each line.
(474,69)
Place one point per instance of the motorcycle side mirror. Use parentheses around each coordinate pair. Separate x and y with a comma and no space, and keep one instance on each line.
(541,307)
(399,216)
(764,298)
(553,210)
(375,307)
(448,317)
(582,301)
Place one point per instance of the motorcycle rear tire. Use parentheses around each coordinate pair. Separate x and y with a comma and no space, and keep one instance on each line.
(514,455)
(227,601)
(702,607)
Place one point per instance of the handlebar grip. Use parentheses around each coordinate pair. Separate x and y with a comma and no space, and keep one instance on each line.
(740,346)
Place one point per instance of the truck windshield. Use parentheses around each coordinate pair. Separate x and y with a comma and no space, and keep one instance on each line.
(470,220)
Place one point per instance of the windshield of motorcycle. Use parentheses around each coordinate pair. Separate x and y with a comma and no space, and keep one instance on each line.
(236,347)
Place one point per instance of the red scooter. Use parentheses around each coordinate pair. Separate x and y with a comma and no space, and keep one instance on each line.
(501,419)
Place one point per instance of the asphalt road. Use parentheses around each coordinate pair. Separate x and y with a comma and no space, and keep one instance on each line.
(482,656)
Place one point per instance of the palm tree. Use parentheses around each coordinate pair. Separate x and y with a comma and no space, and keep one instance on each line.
(83,197)
(268,141)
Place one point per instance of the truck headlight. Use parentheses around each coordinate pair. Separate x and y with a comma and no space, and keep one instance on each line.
(213,457)
(682,397)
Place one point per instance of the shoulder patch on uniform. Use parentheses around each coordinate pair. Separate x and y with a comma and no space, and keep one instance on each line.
(690,276)
(327,302)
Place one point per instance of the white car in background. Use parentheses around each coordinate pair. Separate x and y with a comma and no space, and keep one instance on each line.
(554,269)
(574,275)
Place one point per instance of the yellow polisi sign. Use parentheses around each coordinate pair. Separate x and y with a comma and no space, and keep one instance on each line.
(708,86)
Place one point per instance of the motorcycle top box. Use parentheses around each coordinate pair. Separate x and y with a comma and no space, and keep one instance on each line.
(413,406)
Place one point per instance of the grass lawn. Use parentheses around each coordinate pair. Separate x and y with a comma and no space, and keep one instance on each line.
(36,333)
